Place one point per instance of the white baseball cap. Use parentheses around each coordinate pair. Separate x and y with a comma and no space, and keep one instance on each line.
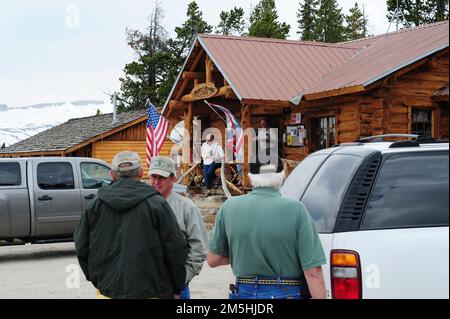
(131,158)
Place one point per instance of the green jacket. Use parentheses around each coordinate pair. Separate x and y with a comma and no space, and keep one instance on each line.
(129,244)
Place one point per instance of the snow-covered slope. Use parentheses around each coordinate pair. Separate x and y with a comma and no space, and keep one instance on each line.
(22,122)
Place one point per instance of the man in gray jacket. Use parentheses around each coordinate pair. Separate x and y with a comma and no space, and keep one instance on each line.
(162,177)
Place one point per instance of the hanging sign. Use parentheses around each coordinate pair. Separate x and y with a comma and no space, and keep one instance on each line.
(203,91)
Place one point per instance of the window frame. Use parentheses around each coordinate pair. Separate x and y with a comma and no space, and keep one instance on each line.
(435,117)
(326,124)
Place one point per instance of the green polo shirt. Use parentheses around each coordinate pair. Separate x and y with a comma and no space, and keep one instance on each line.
(265,234)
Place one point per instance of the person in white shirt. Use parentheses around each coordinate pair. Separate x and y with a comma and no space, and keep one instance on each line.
(212,154)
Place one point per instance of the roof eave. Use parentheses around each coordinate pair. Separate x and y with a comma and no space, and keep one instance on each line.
(403,65)
(219,67)
(179,74)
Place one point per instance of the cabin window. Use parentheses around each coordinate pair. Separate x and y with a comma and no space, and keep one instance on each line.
(324,130)
(421,122)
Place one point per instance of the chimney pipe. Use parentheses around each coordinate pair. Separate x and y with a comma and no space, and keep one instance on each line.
(114,101)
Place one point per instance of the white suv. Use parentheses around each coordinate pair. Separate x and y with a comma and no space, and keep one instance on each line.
(382,211)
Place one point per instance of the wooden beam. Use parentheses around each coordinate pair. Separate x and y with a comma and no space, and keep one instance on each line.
(246,123)
(188,128)
(177,104)
(185,82)
(266,102)
(343,91)
(35,153)
(208,69)
(173,106)
(190,75)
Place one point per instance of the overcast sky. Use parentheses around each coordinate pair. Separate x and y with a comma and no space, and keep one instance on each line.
(52,51)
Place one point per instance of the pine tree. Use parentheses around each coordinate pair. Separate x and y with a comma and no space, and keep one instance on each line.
(264,21)
(231,22)
(356,24)
(440,7)
(419,12)
(306,20)
(143,77)
(159,60)
(329,22)
(189,29)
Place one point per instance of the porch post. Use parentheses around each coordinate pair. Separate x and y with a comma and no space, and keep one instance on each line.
(246,123)
(187,150)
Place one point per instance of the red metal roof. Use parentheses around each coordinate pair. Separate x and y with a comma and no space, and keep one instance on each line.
(270,69)
(383,56)
(282,70)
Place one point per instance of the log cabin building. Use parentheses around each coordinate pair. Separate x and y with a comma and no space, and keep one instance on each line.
(94,136)
(318,94)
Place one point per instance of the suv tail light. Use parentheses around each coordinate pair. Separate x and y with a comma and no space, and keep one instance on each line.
(345,275)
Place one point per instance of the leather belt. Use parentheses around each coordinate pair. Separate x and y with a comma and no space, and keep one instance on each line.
(254,281)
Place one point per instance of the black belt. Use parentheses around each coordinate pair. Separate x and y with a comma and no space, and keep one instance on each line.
(255,281)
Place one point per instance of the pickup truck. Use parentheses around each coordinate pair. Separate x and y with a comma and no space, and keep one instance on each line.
(42,198)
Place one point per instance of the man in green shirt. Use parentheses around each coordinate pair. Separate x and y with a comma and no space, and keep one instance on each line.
(271,242)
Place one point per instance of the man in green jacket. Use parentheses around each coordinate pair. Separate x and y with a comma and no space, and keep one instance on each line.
(128,242)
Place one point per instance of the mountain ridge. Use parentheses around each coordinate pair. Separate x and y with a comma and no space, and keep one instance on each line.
(19,123)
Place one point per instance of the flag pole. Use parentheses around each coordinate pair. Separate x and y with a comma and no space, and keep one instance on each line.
(214,111)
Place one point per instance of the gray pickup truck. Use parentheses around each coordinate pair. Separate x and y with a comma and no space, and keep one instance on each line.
(42,198)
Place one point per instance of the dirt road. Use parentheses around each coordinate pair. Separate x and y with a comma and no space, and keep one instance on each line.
(51,271)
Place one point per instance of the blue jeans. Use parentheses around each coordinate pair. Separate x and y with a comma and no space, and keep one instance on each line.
(210,174)
(185,293)
(259,291)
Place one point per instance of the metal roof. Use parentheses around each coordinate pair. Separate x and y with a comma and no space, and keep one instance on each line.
(72,133)
(270,69)
(284,70)
(383,55)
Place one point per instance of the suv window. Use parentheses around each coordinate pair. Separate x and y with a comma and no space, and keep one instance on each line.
(299,178)
(94,175)
(326,191)
(411,191)
(10,174)
(56,175)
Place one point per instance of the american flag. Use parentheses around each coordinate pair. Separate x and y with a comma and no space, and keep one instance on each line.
(156,132)
(238,136)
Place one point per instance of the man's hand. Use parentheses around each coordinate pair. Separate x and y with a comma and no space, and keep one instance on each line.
(217,260)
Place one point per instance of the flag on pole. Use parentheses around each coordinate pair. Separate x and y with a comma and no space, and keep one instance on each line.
(238,137)
(157,127)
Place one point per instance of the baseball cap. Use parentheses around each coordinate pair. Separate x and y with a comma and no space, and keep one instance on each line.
(163,166)
(126,157)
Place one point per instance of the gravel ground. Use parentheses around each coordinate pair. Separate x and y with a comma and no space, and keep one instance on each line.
(51,271)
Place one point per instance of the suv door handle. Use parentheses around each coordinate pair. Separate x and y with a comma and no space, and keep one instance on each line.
(90,196)
(45,197)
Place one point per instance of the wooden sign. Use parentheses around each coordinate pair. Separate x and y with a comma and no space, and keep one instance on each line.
(203,91)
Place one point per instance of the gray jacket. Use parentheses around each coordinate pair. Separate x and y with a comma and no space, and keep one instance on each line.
(194,230)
